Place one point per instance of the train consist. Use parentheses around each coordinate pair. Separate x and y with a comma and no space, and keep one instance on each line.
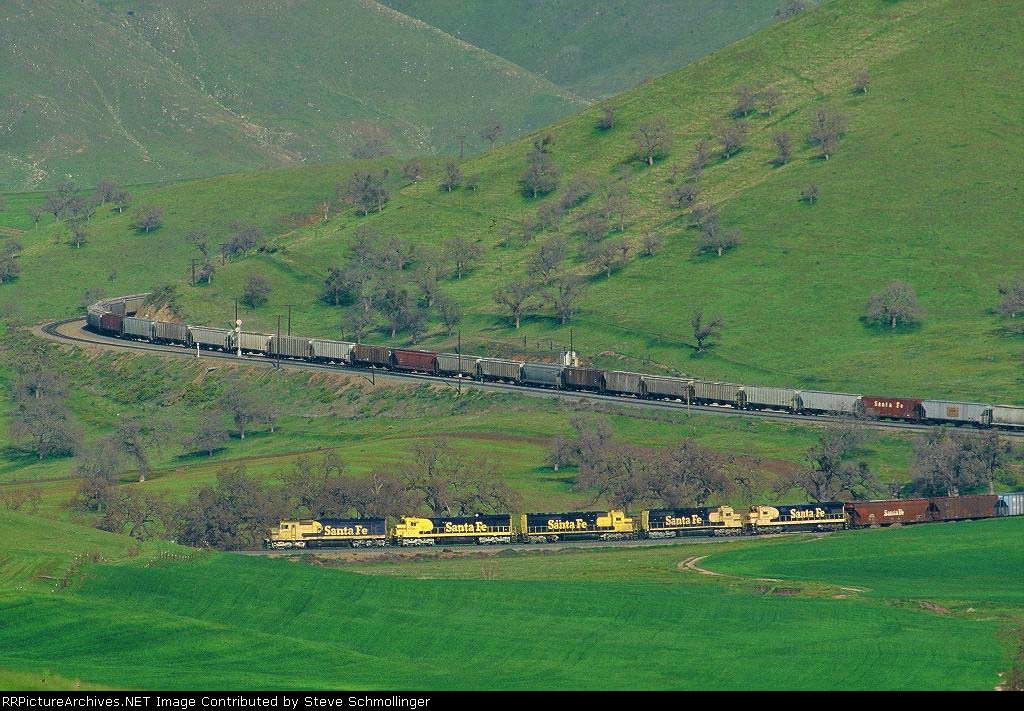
(615,525)
(116,317)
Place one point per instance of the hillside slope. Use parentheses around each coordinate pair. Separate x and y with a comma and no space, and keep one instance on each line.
(144,91)
(596,48)
(924,187)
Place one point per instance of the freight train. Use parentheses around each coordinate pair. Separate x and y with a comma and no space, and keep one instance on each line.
(117,317)
(617,525)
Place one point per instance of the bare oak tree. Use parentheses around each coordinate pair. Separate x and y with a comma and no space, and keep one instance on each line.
(827,127)
(705,330)
(513,297)
(894,305)
(732,135)
(653,139)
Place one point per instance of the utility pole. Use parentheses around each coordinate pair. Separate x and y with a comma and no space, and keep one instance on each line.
(289,319)
(458,351)
(238,335)
(277,344)
(193,272)
(236,312)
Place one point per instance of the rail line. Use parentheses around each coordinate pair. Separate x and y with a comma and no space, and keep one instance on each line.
(483,550)
(72,331)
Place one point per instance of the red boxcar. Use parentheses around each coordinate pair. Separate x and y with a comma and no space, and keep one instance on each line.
(887,513)
(958,508)
(111,323)
(423,361)
(900,408)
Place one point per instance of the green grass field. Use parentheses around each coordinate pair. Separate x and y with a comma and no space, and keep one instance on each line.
(792,294)
(604,619)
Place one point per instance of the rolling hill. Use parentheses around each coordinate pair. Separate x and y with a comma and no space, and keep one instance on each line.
(147,91)
(119,621)
(143,91)
(596,48)
(923,188)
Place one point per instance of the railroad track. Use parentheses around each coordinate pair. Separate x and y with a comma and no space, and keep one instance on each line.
(72,331)
(406,552)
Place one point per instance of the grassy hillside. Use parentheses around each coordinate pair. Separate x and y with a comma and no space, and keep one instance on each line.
(621,629)
(144,91)
(922,189)
(596,48)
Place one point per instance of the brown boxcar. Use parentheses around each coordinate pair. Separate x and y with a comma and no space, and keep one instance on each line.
(422,361)
(379,356)
(900,408)
(887,513)
(958,508)
(111,323)
(584,378)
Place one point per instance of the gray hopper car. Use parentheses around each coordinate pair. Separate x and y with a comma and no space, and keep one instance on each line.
(817,401)
(454,364)
(663,387)
(210,337)
(952,411)
(290,347)
(495,369)
(620,381)
(542,374)
(137,327)
(339,351)
(170,332)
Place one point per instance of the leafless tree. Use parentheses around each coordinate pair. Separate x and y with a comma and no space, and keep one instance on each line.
(549,217)
(861,81)
(684,195)
(45,426)
(513,297)
(452,176)
(412,170)
(653,139)
(579,189)
(706,330)
(140,514)
(243,405)
(702,152)
(541,176)
(256,292)
(565,294)
(35,213)
(945,463)
(147,218)
(621,475)
(611,256)
(462,253)
(450,312)
(732,135)
(209,435)
(365,189)
(810,194)
(593,226)
(449,483)
(770,99)
(717,239)
(200,239)
(547,259)
(783,141)
(607,120)
(491,132)
(206,273)
(746,98)
(894,305)
(827,127)
(651,243)
(689,475)
(471,181)
(78,233)
(832,475)
(1013,297)
(121,200)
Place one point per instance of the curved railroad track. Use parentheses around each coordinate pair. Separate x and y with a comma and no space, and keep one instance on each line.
(72,331)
